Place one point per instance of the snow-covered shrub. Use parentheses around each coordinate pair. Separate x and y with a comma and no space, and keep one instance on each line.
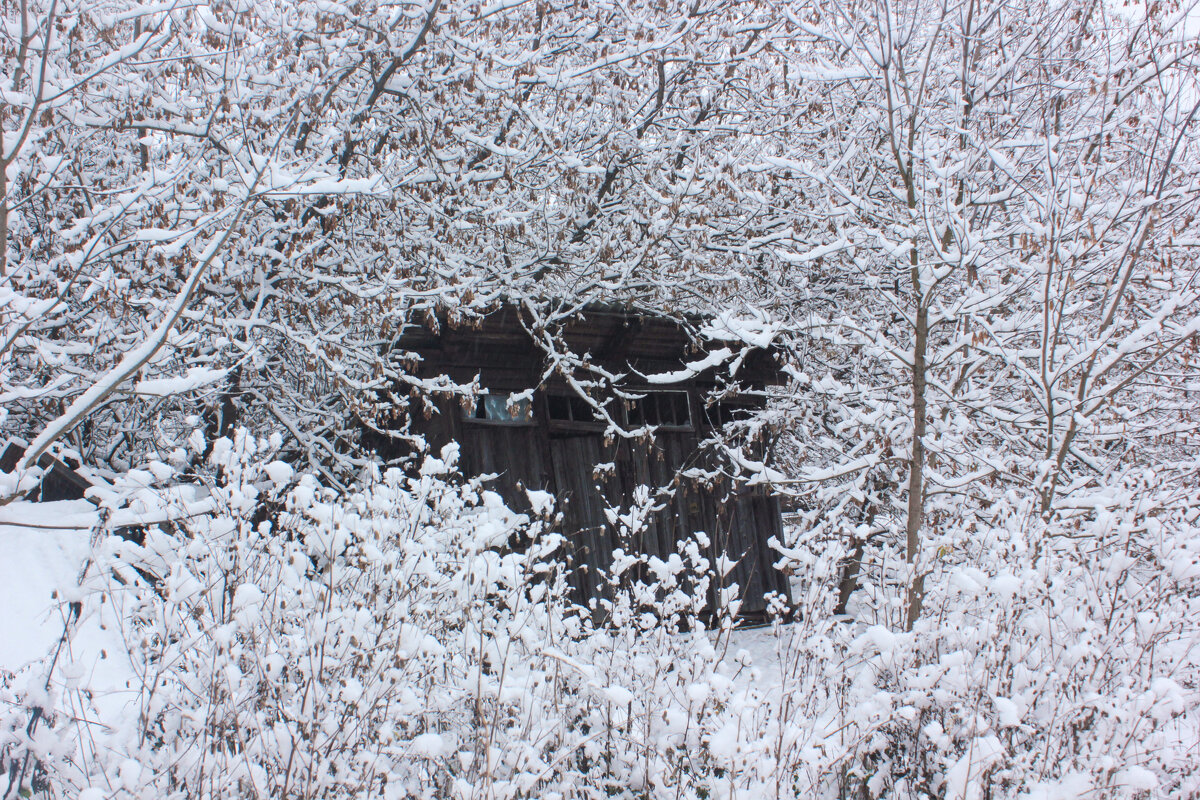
(1055,660)
(27,746)
(295,643)
(411,638)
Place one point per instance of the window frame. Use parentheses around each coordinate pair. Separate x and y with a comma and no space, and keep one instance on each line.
(657,394)
(481,403)
(574,402)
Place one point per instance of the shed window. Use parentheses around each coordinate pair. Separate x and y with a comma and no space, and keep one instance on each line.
(498,408)
(569,408)
(661,409)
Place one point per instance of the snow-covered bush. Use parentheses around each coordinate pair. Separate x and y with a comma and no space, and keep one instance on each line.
(1056,660)
(413,638)
(294,643)
(409,639)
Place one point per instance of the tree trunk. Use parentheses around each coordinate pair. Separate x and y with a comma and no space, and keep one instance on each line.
(916,461)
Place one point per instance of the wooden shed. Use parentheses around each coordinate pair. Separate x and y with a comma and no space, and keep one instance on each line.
(536,430)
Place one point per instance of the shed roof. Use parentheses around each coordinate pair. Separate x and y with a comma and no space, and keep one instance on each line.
(615,336)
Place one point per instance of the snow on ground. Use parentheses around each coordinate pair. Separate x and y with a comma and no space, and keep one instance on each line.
(42,547)
(760,656)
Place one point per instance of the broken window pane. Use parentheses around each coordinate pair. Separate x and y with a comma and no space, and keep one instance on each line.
(498,408)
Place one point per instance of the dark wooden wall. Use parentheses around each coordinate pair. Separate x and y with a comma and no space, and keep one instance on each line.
(561,457)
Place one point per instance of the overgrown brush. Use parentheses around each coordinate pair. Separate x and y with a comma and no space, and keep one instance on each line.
(413,638)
